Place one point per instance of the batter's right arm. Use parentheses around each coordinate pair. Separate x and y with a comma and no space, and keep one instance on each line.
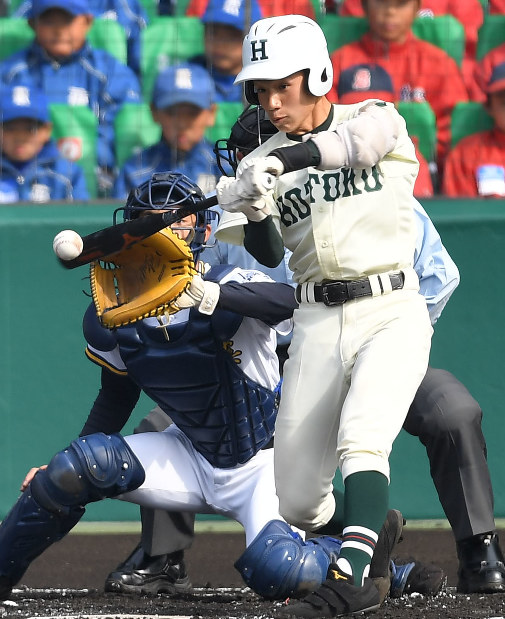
(360,142)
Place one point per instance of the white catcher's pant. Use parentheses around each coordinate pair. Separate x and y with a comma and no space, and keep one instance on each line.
(352,373)
(178,478)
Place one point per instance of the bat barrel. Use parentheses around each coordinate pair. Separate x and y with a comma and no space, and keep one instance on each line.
(109,241)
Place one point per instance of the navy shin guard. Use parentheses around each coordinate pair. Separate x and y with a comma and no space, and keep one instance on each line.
(27,530)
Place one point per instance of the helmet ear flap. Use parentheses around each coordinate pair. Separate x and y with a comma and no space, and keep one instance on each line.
(320,79)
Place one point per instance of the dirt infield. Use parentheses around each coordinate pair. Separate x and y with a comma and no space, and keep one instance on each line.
(81,562)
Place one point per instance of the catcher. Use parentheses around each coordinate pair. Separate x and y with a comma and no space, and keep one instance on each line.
(202,346)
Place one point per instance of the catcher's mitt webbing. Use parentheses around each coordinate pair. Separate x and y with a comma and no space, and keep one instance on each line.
(143,280)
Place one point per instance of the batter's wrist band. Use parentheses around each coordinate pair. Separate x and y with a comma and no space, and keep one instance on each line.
(297,157)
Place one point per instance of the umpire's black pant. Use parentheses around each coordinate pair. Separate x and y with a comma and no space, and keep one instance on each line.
(447,420)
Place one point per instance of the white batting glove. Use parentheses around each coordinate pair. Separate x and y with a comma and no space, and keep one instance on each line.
(201,294)
(256,176)
(246,194)
(230,200)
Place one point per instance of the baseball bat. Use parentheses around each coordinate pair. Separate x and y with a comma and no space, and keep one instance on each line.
(108,241)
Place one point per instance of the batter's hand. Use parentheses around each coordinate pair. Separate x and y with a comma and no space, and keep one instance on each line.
(246,194)
(30,475)
(229,198)
(256,176)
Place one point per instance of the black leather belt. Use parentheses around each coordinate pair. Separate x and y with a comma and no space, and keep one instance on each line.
(336,292)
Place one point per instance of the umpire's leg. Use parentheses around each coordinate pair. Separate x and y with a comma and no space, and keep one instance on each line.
(447,420)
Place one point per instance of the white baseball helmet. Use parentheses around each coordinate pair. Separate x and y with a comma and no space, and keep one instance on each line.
(277,47)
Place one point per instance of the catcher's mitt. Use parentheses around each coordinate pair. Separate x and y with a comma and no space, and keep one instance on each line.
(143,280)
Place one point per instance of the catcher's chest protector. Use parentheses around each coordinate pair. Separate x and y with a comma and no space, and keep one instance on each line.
(227,416)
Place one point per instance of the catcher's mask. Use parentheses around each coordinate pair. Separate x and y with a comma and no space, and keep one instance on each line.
(169,191)
(251,129)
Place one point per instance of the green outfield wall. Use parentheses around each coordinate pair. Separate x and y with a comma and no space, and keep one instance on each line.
(48,385)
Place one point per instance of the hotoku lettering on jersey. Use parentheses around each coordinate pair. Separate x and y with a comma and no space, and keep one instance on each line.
(295,203)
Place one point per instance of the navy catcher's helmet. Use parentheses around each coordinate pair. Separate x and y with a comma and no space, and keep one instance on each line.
(251,129)
(169,191)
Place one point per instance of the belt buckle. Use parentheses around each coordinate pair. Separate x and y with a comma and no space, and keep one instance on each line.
(336,287)
(397,280)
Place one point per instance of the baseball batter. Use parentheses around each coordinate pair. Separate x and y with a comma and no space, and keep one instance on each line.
(362,332)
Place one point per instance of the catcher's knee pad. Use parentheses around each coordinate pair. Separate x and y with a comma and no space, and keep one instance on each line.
(278,564)
(91,468)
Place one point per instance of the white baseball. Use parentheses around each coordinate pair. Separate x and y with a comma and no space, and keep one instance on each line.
(67,245)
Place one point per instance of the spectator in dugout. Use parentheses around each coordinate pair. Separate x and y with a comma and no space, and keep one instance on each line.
(183,104)
(420,71)
(130,14)
(31,167)
(225,22)
(476,165)
(368,81)
(469,12)
(269,8)
(62,64)
(485,68)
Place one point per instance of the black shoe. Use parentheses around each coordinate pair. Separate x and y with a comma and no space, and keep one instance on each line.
(481,565)
(380,567)
(140,573)
(411,576)
(336,597)
(5,588)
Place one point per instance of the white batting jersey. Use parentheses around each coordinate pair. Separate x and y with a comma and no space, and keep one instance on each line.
(345,223)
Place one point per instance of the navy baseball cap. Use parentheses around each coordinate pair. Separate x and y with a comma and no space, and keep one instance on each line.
(232,13)
(497,79)
(23,102)
(365,81)
(74,7)
(183,83)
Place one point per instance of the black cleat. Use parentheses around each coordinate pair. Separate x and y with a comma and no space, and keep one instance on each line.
(380,567)
(481,565)
(141,573)
(336,597)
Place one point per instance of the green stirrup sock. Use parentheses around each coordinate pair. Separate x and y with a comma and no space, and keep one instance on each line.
(365,509)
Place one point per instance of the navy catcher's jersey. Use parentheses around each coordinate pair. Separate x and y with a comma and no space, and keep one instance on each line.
(215,376)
